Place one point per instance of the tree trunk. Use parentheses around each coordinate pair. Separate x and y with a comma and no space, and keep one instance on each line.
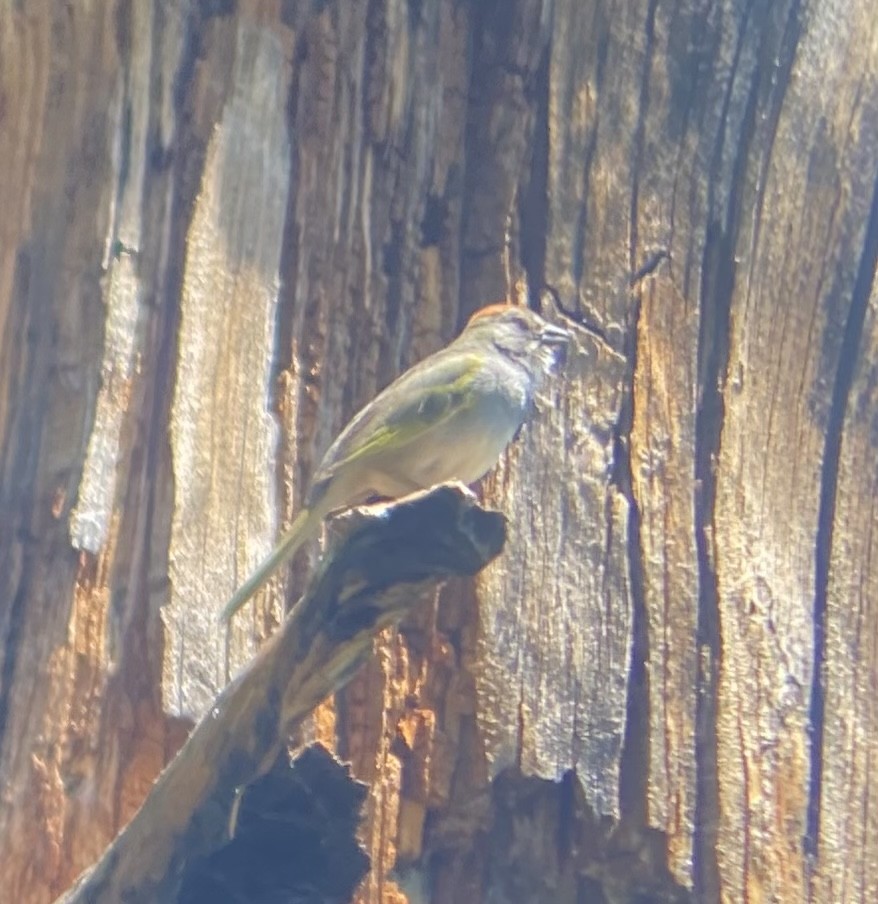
(227,224)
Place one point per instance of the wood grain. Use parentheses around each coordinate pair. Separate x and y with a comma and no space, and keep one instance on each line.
(226,225)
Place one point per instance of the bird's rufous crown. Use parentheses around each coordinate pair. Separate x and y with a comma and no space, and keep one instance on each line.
(489,310)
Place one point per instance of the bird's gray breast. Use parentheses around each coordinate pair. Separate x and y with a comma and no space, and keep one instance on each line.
(475,437)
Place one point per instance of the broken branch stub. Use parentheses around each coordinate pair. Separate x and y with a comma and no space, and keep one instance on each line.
(391,558)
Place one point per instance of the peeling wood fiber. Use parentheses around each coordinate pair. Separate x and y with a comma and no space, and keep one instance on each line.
(227,225)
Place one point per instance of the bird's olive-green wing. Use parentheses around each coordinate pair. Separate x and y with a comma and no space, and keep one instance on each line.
(421,399)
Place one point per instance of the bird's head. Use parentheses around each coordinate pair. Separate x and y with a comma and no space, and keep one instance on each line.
(519,333)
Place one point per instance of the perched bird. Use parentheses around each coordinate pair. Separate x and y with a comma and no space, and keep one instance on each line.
(447,418)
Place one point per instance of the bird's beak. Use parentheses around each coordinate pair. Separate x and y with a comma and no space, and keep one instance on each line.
(554,341)
(554,335)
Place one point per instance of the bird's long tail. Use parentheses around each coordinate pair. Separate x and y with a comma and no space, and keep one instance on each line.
(300,531)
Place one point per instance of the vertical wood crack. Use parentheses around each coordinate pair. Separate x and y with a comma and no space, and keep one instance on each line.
(847,361)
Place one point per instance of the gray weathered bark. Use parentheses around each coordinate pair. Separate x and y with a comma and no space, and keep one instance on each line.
(226,225)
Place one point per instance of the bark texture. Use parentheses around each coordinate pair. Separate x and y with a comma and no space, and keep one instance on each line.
(199,817)
(227,224)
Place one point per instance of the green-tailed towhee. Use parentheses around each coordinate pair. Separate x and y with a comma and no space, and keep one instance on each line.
(447,418)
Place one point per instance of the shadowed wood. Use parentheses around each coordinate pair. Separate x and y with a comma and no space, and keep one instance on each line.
(227,225)
(391,560)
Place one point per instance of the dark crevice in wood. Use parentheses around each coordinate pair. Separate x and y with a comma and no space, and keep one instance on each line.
(639,136)
(374,75)
(32,540)
(533,208)
(295,839)
(614,862)
(124,42)
(209,9)
(715,297)
(650,266)
(150,453)
(11,640)
(713,353)
(299,334)
(394,254)
(474,253)
(288,319)
(602,42)
(712,358)
(841,389)
(502,91)
(579,241)
(284,329)
(634,762)
(719,274)
(129,582)
(434,222)
(134,684)
(18,474)
(778,82)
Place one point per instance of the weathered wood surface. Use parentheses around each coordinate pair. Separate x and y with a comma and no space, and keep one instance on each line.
(389,563)
(225,225)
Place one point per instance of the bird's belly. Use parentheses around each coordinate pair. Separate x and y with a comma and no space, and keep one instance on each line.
(469,446)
